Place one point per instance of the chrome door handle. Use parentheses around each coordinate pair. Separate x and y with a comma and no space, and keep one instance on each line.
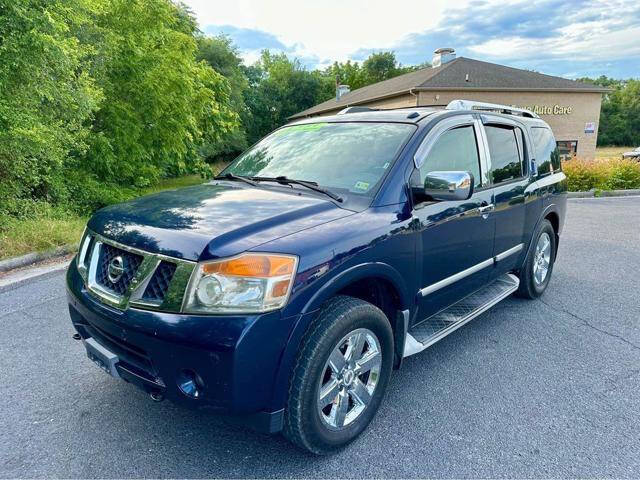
(486,208)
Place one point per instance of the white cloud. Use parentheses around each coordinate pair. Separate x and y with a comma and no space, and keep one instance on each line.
(329,29)
(250,56)
(562,37)
(582,41)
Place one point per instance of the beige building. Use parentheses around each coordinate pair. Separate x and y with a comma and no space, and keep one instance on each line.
(572,109)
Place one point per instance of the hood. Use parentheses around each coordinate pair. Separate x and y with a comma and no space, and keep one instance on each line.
(213,220)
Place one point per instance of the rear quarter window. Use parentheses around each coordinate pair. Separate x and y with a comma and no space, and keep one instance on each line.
(547,154)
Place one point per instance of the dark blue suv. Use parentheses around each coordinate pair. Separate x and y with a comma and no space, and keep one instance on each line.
(284,292)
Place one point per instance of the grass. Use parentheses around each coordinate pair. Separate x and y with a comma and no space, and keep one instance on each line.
(39,234)
(611,152)
(54,227)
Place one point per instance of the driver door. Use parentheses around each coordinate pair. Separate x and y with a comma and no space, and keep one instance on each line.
(455,238)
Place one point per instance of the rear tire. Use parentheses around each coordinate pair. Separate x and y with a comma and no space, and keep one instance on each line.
(340,376)
(538,266)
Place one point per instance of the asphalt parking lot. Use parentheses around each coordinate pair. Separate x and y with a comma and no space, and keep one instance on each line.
(547,388)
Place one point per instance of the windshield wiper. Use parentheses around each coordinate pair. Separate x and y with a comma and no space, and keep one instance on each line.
(237,178)
(290,181)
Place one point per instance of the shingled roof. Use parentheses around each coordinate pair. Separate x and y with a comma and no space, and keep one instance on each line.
(482,76)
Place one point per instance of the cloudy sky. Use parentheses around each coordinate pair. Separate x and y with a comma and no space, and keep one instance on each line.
(570,38)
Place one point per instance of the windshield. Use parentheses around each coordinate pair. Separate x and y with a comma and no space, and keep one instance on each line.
(349,157)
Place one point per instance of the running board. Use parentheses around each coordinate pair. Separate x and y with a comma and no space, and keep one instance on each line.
(441,324)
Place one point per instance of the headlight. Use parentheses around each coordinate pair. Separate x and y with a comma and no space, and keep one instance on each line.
(248,283)
(83,251)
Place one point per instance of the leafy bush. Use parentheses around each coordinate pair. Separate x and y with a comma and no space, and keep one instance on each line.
(583,176)
(610,174)
(46,99)
(624,174)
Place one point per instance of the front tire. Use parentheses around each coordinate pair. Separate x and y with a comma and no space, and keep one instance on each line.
(536,271)
(340,377)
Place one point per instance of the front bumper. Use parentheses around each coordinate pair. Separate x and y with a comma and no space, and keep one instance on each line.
(235,357)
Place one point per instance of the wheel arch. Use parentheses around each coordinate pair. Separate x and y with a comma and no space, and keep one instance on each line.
(372,271)
(349,281)
(551,213)
(554,218)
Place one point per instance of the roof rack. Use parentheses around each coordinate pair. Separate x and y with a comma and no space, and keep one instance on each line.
(492,107)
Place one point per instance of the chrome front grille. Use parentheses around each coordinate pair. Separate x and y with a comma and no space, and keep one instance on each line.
(122,276)
(130,264)
(159,282)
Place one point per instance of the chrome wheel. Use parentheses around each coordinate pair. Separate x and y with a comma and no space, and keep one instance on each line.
(349,378)
(542,259)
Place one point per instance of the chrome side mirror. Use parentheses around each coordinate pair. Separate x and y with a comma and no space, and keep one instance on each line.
(449,185)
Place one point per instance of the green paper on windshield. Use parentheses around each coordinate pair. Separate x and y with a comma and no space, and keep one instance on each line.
(308,127)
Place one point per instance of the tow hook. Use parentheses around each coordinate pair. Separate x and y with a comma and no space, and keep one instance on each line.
(156,396)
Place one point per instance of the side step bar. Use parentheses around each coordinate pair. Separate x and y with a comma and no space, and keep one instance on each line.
(438,326)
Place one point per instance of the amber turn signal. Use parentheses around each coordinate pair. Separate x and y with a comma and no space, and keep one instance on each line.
(263,266)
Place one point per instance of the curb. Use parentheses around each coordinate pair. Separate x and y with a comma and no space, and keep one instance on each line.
(604,193)
(35,257)
(20,277)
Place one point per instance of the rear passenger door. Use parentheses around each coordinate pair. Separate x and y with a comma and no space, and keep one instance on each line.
(508,167)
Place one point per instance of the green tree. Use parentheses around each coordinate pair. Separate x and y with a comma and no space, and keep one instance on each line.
(280,87)
(603,81)
(160,104)
(375,68)
(383,66)
(46,98)
(258,102)
(220,53)
(620,116)
(347,73)
(379,66)
(620,111)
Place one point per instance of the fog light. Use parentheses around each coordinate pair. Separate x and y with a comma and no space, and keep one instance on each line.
(190,383)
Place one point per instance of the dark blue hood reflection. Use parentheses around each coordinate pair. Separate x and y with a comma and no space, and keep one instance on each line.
(213,220)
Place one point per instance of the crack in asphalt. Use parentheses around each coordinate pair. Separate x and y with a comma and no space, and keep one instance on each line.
(587,324)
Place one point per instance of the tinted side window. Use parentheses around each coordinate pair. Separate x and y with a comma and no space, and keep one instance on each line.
(547,154)
(455,149)
(506,162)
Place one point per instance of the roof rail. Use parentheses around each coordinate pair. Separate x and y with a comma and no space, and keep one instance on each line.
(356,109)
(494,107)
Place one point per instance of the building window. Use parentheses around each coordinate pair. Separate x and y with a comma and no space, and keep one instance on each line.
(567,149)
